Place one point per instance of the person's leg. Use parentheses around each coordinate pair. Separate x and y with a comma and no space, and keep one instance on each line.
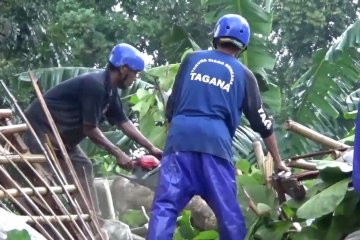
(84,170)
(176,188)
(220,194)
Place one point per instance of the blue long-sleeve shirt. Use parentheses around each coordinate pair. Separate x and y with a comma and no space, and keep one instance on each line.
(210,92)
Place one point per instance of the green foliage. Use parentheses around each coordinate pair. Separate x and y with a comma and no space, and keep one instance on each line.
(320,91)
(352,101)
(207,235)
(323,79)
(301,27)
(134,218)
(325,202)
(185,231)
(331,171)
(18,235)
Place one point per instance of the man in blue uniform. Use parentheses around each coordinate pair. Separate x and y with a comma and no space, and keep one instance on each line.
(356,159)
(211,90)
(80,104)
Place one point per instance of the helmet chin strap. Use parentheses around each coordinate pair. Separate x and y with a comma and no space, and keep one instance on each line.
(240,52)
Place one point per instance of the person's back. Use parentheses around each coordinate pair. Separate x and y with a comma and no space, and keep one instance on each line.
(212,88)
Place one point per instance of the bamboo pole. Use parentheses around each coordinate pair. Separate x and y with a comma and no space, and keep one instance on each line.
(61,181)
(65,154)
(44,203)
(313,135)
(5,113)
(56,198)
(320,153)
(63,218)
(302,165)
(42,190)
(32,158)
(306,175)
(13,128)
(16,202)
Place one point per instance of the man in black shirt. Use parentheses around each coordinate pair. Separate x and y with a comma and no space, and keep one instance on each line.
(80,104)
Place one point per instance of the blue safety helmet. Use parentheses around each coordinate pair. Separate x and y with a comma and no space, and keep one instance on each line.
(232,28)
(125,54)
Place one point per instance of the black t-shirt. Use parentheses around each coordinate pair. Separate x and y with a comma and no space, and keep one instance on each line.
(85,99)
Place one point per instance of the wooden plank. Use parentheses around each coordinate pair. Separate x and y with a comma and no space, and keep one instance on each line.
(42,190)
(13,128)
(32,158)
(64,218)
(5,113)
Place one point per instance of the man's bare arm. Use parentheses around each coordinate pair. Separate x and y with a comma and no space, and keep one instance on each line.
(129,129)
(95,135)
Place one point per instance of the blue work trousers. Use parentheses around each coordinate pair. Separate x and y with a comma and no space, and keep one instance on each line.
(185,174)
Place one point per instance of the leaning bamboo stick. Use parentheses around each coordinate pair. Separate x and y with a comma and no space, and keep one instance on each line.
(56,198)
(72,202)
(32,158)
(65,154)
(75,226)
(16,202)
(5,113)
(42,190)
(51,151)
(22,127)
(28,199)
(88,189)
(313,135)
(63,218)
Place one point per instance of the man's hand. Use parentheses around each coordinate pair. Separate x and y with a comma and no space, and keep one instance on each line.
(124,161)
(271,145)
(280,166)
(155,152)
